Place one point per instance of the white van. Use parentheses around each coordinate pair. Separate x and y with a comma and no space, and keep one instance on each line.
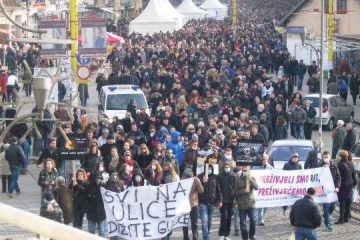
(114,100)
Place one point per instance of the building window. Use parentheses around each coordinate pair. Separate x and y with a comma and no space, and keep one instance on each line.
(326,6)
(341,6)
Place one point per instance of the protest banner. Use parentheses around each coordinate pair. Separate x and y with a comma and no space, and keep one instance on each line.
(282,188)
(249,152)
(149,212)
(76,149)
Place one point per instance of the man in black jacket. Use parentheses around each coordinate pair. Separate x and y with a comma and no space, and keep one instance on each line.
(350,138)
(15,156)
(207,200)
(50,152)
(305,216)
(225,199)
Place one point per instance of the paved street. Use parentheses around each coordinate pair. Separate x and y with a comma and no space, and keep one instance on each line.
(277,225)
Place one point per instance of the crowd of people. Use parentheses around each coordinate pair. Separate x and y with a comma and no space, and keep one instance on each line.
(210,85)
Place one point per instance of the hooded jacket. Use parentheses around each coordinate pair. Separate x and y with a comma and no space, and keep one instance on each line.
(177,147)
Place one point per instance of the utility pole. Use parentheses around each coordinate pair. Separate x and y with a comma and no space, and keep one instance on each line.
(321,73)
(74,30)
(234,15)
(116,9)
(331,28)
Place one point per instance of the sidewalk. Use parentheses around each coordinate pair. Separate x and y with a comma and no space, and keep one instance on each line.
(28,200)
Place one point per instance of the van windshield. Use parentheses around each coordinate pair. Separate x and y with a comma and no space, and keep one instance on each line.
(120,101)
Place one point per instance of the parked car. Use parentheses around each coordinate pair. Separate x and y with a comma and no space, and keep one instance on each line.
(281,151)
(334,108)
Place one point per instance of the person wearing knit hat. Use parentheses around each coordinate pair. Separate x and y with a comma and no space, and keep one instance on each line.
(338,136)
(292,164)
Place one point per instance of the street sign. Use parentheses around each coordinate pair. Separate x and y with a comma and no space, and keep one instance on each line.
(83,72)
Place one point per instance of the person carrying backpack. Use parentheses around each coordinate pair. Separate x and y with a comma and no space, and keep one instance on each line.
(343,86)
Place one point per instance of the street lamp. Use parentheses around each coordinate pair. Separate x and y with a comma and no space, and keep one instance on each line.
(320,61)
(42,87)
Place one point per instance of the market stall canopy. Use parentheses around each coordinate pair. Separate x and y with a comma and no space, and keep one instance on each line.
(215,9)
(166,5)
(190,10)
(154,19)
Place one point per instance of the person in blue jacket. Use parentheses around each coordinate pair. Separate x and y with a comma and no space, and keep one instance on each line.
(178,148)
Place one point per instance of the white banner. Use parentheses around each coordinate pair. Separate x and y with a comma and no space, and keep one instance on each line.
(282,188)
(148,212)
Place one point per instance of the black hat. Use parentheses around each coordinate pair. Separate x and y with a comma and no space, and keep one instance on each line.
(311,191)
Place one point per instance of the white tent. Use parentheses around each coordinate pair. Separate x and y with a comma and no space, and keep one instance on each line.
(215,9)
(153,20)
(167,7)
(190,10)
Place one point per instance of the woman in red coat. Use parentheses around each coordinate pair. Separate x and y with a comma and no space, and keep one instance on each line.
(3,84)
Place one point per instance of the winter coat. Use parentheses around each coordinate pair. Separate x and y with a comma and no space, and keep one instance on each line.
(46,180)
(314,84)
(338,140)
(14,155)
(310,114)
(79,196)
(144,160)
(290,165)
(298,116)
(177,147)
(196,188)
(349,140)
(312,160)
(210,190)
(348,179)
(245,200)
(354,86)
(3,83)
(225,185)
(280,132)
(95,210)
(4,165)
(305,213)
(63,197)
(333,88)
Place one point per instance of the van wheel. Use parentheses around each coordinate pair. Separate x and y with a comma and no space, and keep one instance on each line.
(331,124)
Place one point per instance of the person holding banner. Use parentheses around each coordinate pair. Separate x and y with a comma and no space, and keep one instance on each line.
(225,199)
(207,199)
(265,166)
(328,208)
(305,217)
(244,192)
(194,202)
(292,164)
